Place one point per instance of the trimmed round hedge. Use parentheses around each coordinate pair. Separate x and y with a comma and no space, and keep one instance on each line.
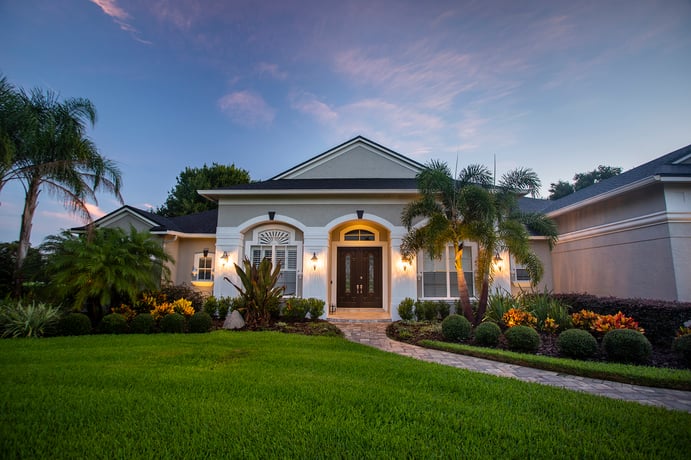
(74,324)
(522,339)
(142,324)
(576,343)
(200,322)
(487,334)
(682,345)
(173,323)
(113,323)
(626,346)
(456,328)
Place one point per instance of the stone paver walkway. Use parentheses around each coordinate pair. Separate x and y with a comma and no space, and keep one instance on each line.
(374,334)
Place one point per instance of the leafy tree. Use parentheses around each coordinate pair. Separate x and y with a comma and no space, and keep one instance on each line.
(33,270)
(183,199)
(560,189)
(45,147)
(473,209)
(108,266)
(582,180)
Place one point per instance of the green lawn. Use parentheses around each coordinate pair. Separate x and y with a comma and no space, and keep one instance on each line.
(259,395)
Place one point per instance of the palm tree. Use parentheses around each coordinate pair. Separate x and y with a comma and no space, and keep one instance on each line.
(473,208)
(50,150)
(105,267)
(454,213)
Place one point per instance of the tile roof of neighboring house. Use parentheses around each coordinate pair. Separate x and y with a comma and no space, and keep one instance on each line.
(663,166)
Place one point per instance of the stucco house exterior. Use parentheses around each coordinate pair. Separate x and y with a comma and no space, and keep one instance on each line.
(334,223)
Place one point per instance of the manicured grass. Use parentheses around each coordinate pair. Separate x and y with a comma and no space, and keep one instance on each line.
(626,373)
(270,395)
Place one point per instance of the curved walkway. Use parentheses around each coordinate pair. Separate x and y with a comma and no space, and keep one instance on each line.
(374,334)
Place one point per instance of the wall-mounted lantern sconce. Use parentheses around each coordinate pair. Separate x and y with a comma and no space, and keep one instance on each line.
(498,261)
(272,214)
(360,213)
(206,252)
(225,258)
(405,263)
(314,260)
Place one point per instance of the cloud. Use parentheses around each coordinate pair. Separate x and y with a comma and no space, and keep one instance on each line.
(120,16)
(308,103)
(247,108)
(264,68)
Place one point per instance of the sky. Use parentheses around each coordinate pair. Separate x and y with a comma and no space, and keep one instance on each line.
(557,86)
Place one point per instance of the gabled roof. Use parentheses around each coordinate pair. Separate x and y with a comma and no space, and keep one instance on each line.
(675,166)
(199,223)
(359,141)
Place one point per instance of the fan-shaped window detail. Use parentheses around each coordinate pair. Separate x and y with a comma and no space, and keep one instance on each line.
(274,237)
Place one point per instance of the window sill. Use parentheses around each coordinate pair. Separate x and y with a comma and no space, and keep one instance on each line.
(202,283)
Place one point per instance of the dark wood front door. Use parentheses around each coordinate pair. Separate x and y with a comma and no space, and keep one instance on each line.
(359,280)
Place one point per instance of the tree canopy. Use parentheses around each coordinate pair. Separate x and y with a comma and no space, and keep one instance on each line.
(581,180)
(183,199)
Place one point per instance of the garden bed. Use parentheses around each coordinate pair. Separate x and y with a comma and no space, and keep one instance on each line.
(417,332)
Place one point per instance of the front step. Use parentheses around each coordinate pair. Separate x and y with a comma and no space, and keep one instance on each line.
(360,315)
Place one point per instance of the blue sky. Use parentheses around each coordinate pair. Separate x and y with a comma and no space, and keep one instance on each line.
(557,86)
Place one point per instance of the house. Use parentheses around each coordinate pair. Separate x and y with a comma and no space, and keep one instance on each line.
(334,223)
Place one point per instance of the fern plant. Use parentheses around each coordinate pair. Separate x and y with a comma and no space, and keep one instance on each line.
(258,291)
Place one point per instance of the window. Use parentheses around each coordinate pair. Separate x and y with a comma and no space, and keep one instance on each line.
(439,278)
(275,245)
(519,274)
(203,271)
(359,235)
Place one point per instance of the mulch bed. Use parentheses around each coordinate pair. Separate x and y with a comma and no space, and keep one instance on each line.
(661,357)
(289,326)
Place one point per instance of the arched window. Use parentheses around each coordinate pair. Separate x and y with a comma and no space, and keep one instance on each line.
(278,245)
(359,235)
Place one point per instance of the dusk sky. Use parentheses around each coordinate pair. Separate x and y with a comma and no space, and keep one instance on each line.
(557,86)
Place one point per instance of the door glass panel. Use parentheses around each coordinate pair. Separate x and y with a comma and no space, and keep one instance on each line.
(347,274)
(370,272)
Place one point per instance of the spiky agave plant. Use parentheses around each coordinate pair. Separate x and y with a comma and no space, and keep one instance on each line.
(258,291)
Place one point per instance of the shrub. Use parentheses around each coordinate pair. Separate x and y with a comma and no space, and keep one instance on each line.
(523,339)
(315,308)
(443,309)
(426,310)
(173,323)
(606,323)
(113,323)
(295,308)
(173,292)
(487,334)
(626,346)
(210,306)
(577,343)
(259,291)
(74,324)
(517,317)
(142,324)
(200,322)
(456,328)
(550,312)
(30,320)
(682,344)
(217,307)
(125,310)
(405,309)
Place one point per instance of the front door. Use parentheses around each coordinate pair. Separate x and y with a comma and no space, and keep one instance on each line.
(359,278)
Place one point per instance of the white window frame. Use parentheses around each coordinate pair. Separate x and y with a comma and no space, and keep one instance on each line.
(278,236)
(449,260)
(515,266)
(196,270)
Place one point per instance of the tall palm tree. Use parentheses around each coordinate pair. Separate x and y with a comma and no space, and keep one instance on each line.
(453,213)
(52,152)
(473,208)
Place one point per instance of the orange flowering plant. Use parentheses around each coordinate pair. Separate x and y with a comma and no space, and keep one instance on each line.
(125,310)
(518,317)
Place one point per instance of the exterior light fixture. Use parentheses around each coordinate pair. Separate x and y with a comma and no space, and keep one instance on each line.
(272,214)
(498,260)
(405,262)
(360,213)
(206,252)
(225,255)
(314,260)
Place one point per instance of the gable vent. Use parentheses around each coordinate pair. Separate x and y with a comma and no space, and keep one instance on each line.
(274,237)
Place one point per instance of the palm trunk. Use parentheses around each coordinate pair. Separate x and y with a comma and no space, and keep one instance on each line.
(463,294)
(30,203)
(484,297)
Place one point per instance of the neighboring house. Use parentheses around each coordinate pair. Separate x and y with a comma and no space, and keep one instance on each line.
(334,223)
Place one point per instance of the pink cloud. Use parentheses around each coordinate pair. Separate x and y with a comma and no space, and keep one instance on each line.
(120,16)
(264,68)
(247,108)
(309,104)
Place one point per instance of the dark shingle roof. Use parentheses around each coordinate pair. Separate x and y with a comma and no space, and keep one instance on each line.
(662,166)
(201,222)
(328,184)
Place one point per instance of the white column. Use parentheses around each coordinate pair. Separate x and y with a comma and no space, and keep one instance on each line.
(315,274)
(228,239)
(403,275)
